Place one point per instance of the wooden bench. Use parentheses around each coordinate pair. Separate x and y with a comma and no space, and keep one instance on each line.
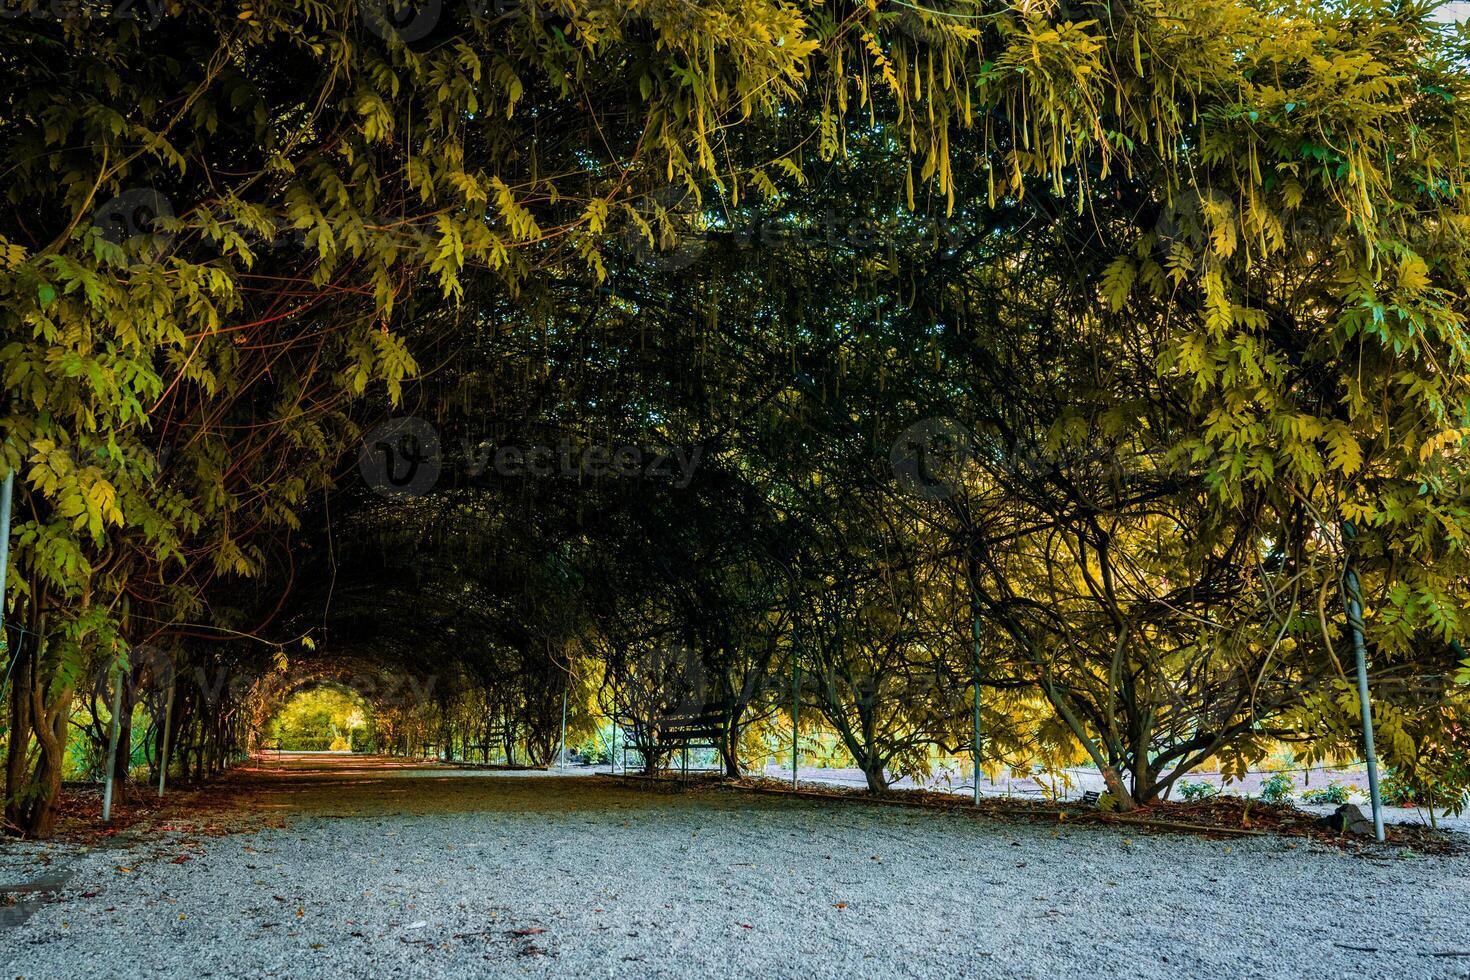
(699,728)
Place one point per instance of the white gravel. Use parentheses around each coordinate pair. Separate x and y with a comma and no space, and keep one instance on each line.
(450,874)
(959,784)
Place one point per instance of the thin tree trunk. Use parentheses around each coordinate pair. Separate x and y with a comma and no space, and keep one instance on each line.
(17,762)
(123,763)
(730,750)
(39,715)
(52,736)
(1110,775)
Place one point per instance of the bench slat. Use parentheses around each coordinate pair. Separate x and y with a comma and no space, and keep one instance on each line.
(704,724)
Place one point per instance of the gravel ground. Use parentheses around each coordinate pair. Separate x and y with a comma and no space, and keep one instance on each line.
(1027,788)
(346,868)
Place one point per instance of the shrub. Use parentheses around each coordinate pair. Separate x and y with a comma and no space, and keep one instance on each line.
(1333,794)
(1398,789)
(1277,789)
(594,750)
(1197,791)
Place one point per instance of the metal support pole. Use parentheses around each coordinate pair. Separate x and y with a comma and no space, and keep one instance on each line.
(795,715)
(1360,654)
(561,755)
(168,730)
(112,746)
(975,617)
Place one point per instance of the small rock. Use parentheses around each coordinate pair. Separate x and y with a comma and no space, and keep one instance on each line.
(1348,819)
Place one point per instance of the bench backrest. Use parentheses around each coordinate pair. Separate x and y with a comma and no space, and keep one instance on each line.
(706,722)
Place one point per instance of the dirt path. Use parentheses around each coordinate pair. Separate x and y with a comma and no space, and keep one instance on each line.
(362,867)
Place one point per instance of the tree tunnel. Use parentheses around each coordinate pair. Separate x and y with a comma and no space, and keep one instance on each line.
(825,386)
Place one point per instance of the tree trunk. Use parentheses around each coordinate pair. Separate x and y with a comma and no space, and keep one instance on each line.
(199,751)
(39,713)
(730,740)
(49,724)
(18,746)
(41,821)
(1145,783)
(1110,776)
(730,755)
(124,761)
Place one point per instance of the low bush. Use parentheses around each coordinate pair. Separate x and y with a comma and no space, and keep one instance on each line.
(1191,792)
(1333,794)
(1277,789)
(1398,789)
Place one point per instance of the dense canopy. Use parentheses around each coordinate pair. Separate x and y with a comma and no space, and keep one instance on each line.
(1039,368)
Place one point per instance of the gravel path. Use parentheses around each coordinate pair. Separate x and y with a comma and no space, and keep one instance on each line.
(1083,780)
(357,870)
